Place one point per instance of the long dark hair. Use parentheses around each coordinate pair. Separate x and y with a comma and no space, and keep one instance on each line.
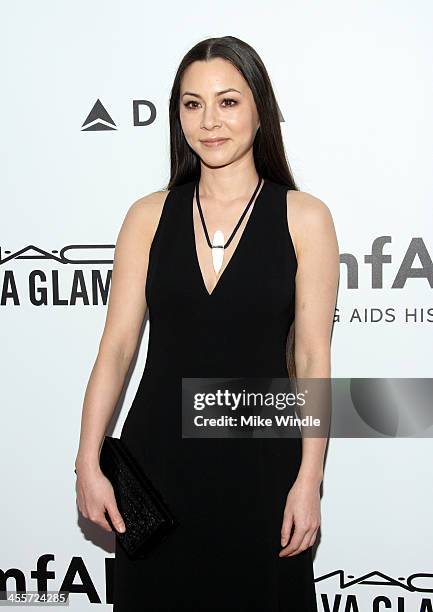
(268,147)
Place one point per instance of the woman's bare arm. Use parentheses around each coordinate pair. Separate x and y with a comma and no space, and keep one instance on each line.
(316,291)
(125,312)
(315,241)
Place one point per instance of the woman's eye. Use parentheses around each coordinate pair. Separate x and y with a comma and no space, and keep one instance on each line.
(226,100)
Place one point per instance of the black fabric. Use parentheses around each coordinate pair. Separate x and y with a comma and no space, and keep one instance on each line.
(228,494)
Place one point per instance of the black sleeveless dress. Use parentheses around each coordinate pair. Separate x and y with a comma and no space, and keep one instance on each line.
(227,493)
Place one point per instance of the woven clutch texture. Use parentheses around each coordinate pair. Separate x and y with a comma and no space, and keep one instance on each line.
(145,513)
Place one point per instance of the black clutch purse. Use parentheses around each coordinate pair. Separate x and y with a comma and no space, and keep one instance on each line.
(145,513)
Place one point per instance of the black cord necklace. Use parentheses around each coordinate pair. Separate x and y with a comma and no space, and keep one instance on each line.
(217,245)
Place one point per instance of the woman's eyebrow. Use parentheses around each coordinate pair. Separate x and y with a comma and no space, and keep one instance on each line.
(218,93)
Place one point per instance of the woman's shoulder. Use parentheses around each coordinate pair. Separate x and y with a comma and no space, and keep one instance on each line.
(147,209)
(309,218)
(142,217)
(148,205)
(306,206)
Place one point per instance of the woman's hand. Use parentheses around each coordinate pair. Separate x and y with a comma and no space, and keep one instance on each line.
(303,510)
(95,495)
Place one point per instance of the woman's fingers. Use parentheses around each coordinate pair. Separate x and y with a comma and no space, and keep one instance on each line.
(96,500)
(115,516)
(302,508)
(286,529)
(302,538)
(297,538)
(313,537)
(97,516)
(293,549)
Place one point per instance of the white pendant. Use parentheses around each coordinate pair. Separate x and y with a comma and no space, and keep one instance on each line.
(218,253)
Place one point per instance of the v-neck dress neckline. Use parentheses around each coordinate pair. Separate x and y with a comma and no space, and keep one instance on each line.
(241,243)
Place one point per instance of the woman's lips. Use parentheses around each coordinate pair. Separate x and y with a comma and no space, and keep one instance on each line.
(214,143)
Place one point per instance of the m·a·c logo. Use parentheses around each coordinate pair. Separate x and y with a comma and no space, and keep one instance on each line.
(98,119)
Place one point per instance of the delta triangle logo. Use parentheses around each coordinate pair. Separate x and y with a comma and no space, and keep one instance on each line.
(98,119)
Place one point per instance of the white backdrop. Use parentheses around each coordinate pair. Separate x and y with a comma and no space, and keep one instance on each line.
(354,84)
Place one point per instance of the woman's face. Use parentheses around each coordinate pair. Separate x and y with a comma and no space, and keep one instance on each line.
(216,102)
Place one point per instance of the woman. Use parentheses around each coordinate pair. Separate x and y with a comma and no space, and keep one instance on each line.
(236,499)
